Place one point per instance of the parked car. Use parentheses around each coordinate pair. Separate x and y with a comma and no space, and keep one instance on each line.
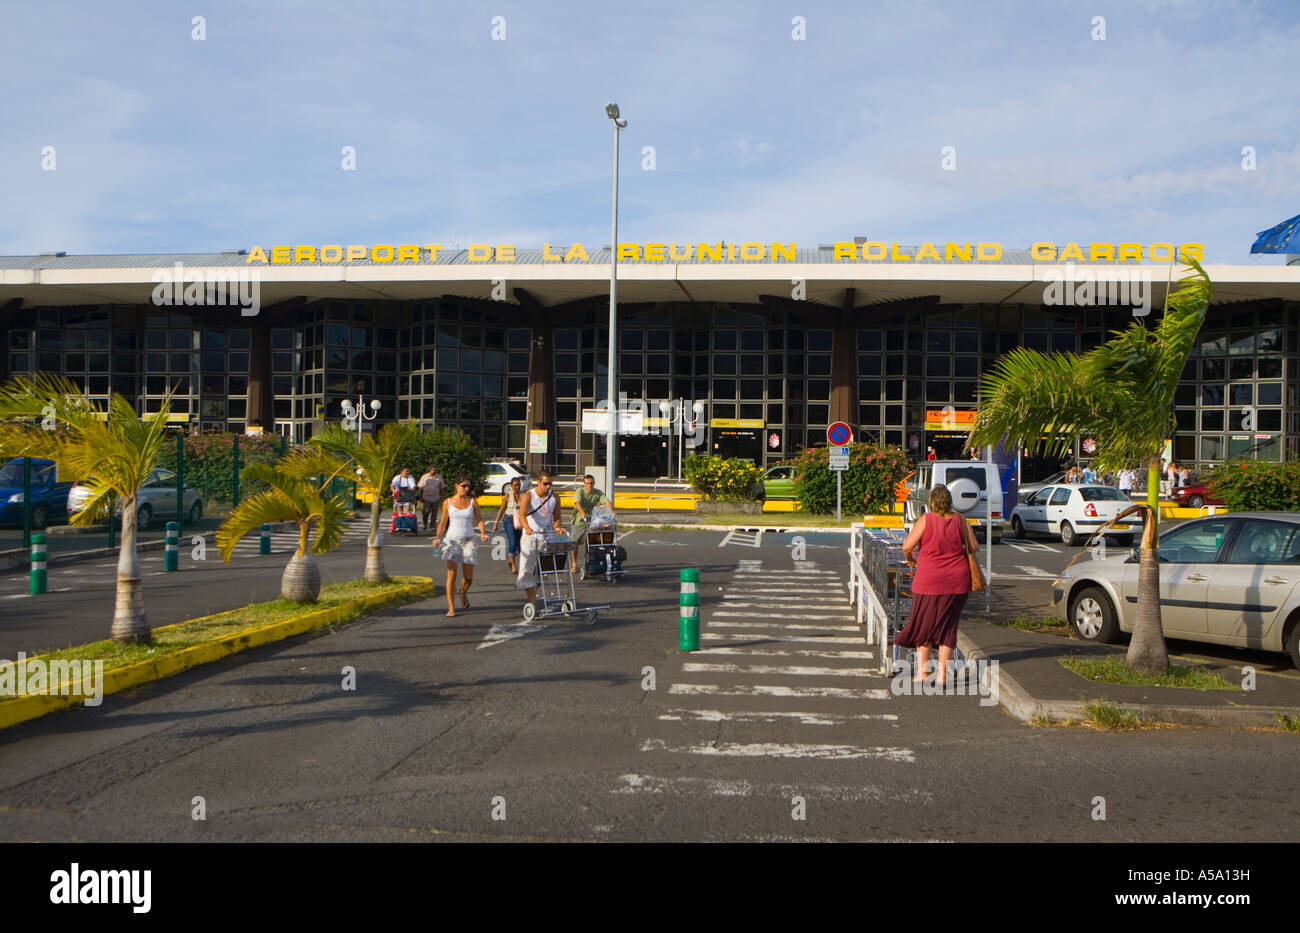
(49,496)
(776,483)
(1225,579)
(1196,495)
(976,490)
(155,499)
(1024,491)
(1073,513)
(501,472)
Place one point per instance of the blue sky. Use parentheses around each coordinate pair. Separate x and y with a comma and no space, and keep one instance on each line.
(164,143)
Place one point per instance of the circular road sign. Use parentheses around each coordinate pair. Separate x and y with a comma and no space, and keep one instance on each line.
(839,434)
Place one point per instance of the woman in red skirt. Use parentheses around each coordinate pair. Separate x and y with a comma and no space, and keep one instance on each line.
(941,584)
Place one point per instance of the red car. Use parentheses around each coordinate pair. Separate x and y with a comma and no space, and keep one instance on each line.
(1196,495)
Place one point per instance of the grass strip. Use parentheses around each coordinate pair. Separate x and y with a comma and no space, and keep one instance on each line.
(1028,623)
(1109,716)
(1113,670)
(170,639)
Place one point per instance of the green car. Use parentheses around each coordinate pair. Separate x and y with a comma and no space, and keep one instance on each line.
(778,482)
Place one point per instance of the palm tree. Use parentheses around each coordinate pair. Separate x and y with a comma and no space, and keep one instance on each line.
(1121,393)
(110,452)
(376,459)
(293,496)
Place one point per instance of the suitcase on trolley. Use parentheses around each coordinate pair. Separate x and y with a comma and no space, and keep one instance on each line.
(405,520)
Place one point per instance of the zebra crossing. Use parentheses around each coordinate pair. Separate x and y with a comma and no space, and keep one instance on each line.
(786,644)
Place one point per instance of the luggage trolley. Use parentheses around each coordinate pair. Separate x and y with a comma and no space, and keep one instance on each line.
(602,554)
(555,589)
(405,520)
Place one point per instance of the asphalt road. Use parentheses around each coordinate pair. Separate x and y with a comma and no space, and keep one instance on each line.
(475,727)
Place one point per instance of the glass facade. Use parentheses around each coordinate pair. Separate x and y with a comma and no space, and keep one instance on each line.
(763,372)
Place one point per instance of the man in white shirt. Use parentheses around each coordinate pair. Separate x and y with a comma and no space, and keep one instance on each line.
(404,480)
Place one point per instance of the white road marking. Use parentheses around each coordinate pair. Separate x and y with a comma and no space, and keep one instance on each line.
(773,690)
(691,667)
(777,652)
(829,611)
(743,538)
(812,639)
(503,633)
(787,599)
(795,627)
(778,750)
(1030,546)
(805,719)
(653,542)
(653,784)
(1034,571)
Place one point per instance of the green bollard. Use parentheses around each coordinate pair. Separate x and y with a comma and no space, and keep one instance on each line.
(171,556)
(38,564)
(264,543)
(688,623)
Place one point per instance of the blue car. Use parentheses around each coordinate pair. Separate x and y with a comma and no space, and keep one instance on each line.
(49,496)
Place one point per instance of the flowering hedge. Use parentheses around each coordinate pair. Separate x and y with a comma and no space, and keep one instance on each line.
(1258,486)
(720,478)
(868,482)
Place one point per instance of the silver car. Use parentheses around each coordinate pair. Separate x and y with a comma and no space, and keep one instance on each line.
(155,499)
(1227,580)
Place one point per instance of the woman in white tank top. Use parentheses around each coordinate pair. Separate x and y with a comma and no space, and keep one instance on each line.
(456,530)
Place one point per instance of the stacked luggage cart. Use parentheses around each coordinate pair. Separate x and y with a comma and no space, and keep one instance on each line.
(891,578)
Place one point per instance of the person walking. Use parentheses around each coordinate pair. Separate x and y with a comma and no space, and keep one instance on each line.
(584,503)
(431,486)
(539,514)
(460,514)
(942,582)
(510,509)
(1127,480)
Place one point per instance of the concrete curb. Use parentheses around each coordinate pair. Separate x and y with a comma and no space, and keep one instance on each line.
(1017,701)
(118,679)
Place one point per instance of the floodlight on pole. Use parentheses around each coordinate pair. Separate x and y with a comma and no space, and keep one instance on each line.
(611,380)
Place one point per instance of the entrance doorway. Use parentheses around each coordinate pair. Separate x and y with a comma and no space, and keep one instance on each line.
(739,442)
(948,445)
(643,456)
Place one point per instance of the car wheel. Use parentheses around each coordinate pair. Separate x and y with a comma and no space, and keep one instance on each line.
(40,516)
(1293,643)
(1068,536)
(143,517)
(196,511)
(1195,502)
(1017,527)
(1093,617)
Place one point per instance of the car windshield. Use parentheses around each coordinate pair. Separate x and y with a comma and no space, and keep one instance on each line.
(11,474)
(1102,493)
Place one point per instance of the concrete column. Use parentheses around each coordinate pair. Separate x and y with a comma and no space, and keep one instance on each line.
(844,382)
(541,379)
(261,399)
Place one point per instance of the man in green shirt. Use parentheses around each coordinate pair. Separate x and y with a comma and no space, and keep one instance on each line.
(584,503)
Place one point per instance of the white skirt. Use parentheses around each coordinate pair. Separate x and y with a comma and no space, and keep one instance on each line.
(458,550)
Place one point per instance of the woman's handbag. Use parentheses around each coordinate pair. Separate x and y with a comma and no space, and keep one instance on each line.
(976,575)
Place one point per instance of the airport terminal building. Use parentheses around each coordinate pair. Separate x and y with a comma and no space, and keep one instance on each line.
(774,342)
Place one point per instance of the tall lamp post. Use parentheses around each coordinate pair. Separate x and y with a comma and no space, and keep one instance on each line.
(611,438)
(675,412)
(355,415)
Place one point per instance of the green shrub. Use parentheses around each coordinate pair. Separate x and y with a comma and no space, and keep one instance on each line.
(452,451)
(868,482)
(210,462)
(1258,486)
(730,480)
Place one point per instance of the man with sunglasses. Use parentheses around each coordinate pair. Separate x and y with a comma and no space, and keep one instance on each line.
(539,509)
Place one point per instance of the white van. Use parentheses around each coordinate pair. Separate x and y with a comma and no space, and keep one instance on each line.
(975,487)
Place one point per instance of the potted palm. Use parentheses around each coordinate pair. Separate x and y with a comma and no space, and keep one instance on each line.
(110,451)
(296,494)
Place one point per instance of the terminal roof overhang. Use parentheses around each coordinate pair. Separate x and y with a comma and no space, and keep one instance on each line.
(131,279)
